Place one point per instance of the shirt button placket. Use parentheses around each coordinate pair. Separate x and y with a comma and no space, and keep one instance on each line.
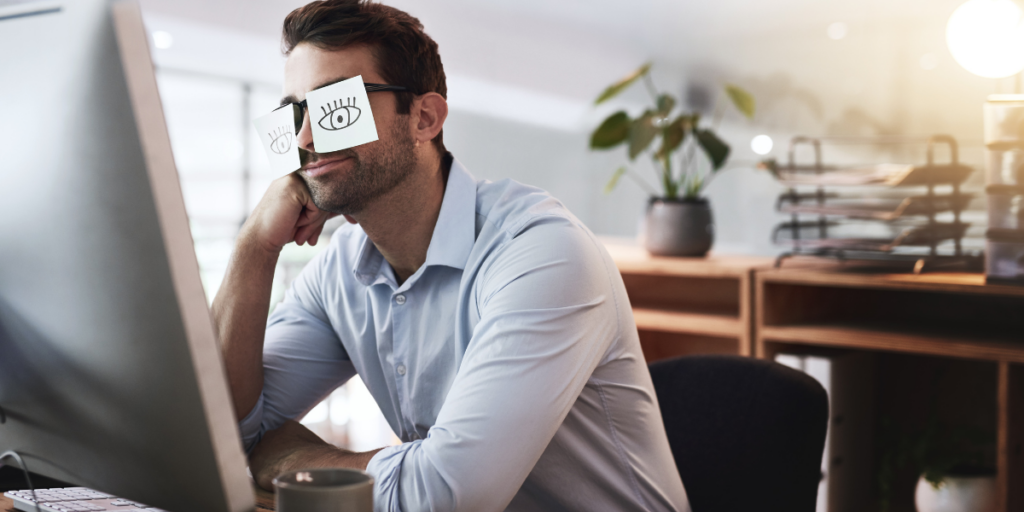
(400,368)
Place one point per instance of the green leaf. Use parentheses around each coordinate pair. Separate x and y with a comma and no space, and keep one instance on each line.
(612,132)
(615,180)
(622,84)
(742,99)
(665,104)
(693,188)
(716,149)
(641,132)
(672,136)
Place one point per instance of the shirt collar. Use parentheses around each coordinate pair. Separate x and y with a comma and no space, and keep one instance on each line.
(455,230)
(370,264)
(453,237)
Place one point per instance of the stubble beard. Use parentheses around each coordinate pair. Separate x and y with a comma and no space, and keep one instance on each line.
(374,173)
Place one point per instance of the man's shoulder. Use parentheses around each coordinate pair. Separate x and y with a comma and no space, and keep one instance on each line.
(523,226)
(508,207)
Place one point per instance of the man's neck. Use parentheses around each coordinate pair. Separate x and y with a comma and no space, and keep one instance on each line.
(401,223)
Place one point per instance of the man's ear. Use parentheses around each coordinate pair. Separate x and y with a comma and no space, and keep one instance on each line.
(430,109)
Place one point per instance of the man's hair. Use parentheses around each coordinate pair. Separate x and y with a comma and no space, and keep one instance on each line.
(405,54)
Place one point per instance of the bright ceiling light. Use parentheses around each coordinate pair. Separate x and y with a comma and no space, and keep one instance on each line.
(762,144)
(986,37)
(162,40)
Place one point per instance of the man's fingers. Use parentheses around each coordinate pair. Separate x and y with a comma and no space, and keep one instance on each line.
(309,232)
(302,234)
(315,237)
(313,216)
(310,221)
(307,216)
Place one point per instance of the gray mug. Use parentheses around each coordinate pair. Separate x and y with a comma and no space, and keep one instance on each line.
(324,490)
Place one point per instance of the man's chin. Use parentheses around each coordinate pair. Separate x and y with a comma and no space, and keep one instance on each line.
(326,197)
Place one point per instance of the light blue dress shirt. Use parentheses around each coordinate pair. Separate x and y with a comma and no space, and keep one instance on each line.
(509,363)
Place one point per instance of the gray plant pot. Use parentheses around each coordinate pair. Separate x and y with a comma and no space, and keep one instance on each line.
(678,227)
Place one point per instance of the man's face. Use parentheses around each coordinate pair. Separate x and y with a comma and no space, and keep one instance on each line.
(346,181)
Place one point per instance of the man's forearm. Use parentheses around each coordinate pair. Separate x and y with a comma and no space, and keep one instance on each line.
(240,316)
(292,447)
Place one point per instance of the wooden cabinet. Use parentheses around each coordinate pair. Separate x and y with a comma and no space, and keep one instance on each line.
(946,347)
(689,305)
(907,350)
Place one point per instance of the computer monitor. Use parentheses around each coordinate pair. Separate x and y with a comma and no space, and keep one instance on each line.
(110,373)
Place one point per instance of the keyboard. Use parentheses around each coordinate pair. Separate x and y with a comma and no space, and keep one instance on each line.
(74,499)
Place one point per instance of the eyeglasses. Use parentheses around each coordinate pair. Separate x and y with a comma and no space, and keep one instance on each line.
(300,113)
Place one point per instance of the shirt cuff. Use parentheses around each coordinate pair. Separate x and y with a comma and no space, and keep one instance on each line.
(386,469)
(251,426)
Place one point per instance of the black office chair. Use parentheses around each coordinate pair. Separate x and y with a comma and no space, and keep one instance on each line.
(746,434)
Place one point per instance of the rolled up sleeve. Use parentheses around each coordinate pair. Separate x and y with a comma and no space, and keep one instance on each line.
(303,359)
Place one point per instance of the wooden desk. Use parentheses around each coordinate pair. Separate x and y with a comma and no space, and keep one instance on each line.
(689,305)
(264,502)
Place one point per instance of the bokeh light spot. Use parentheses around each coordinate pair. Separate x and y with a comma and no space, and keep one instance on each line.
(762,144)
(986,37)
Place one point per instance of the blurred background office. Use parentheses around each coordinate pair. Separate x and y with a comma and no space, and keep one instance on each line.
(522,78)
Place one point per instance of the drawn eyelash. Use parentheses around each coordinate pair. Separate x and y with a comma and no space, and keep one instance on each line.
(338,115)
(281,140)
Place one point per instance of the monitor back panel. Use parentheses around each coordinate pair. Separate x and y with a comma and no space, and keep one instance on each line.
(110,376)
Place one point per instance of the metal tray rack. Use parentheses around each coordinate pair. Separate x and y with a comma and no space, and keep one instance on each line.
(817,210)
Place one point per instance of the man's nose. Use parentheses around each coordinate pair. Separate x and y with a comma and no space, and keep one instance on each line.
(305,136)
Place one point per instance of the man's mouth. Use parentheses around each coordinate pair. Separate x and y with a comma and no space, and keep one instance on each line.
(323,165)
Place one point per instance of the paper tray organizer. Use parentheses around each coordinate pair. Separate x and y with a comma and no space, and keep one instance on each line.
(820,205)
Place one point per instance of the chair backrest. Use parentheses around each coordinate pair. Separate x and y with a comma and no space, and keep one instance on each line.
(746,434)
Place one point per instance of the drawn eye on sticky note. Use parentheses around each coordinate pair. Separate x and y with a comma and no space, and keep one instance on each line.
(342,114)
(277,136)
(281,140)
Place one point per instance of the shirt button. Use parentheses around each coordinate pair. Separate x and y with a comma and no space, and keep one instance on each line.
(400,299)
(401,369)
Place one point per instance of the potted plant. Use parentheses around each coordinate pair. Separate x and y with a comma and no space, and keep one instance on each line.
(965,489)
(953,463)
(678,220)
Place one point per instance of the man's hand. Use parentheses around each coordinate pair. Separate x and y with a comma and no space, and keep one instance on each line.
(292,447)
(286,213)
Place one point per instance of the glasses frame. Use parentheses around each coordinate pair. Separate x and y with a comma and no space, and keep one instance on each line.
(300,116)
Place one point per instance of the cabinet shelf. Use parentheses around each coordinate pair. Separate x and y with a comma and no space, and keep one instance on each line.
(688,305)
(683,322)
(866,277)
(847,336)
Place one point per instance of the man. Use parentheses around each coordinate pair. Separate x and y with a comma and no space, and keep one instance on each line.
(488,323)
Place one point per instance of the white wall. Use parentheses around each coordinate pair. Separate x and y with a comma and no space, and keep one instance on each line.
(523,73)
(890,75)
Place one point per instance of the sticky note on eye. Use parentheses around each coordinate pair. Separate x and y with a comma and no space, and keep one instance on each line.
(340,116)
(277,135)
